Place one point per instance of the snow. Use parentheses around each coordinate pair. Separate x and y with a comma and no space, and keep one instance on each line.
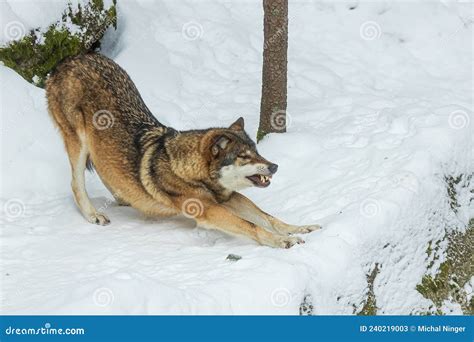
(380,101)
(20,17)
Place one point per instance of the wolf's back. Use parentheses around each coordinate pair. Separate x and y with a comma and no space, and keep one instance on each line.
(96,83)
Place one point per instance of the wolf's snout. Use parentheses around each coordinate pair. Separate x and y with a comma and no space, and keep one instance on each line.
(273,168)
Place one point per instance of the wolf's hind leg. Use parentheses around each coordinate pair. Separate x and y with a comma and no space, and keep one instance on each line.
(78,153)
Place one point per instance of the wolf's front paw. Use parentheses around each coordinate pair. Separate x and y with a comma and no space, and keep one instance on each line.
(99,219)
(306,229)
(288,242)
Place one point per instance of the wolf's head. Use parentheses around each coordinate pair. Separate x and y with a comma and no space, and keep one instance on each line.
(235,160)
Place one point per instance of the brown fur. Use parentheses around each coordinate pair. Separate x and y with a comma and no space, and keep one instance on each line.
(155,169)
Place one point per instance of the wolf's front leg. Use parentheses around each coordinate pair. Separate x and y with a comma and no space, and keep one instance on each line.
(216,216)
(243,207)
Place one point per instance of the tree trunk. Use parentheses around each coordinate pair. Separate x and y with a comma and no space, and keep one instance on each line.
(274,72)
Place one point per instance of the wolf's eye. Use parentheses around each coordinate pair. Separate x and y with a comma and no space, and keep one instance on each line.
(243,156)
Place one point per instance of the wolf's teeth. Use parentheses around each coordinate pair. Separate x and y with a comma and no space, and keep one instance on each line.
(262,179)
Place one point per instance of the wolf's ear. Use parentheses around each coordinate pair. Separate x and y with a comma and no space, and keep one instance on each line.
(220,143)
(238,125)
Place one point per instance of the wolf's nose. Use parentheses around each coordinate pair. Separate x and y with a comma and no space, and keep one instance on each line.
(273,168)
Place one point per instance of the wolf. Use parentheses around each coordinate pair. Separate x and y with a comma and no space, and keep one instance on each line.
(156,169)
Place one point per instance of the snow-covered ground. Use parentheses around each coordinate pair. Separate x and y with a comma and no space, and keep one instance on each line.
(380,101)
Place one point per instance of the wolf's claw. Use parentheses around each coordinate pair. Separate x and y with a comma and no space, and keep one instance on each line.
(99,219)
(288,242)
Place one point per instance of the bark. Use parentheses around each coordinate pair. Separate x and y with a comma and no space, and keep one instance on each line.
(274,71)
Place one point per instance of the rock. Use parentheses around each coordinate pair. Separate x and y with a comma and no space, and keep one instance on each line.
(233,257)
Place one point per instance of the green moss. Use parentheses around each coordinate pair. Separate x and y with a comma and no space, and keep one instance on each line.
(451,183)
(429,250)
(37,53)
(458,268)
(260,135)
(306,306)
(34,61)
(454,273)
(433,250)
(370,304)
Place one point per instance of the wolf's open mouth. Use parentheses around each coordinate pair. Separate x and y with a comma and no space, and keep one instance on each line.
(260,180)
